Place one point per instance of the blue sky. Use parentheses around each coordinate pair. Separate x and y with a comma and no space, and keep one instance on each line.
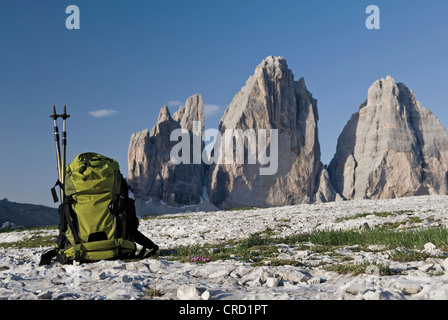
(134,57)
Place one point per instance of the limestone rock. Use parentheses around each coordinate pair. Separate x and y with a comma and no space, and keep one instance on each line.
(271,99)
(325,192)
(408,287)
(152,174)
(392,147)
(186,292)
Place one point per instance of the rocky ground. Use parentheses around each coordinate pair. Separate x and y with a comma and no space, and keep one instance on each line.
(289,272)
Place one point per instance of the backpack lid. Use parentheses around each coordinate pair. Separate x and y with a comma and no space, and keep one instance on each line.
(92,173)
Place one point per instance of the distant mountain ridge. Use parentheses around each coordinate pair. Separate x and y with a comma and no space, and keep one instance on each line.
(14,214)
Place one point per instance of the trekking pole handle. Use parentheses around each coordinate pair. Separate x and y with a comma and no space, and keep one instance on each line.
(54,116)
(65,115)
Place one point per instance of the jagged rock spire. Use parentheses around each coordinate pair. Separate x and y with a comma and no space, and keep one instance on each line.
(271,99)
(151,173)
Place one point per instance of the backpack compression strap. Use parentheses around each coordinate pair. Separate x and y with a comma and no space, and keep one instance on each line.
(146,244)
(47,256)
(138,237)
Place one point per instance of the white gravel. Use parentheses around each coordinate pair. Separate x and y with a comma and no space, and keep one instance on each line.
(22,279)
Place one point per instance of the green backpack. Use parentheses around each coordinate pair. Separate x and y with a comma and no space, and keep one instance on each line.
(97,217)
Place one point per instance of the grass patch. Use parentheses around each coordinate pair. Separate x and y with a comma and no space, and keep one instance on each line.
(163,216)
(260,247)
(390,238)
(356,269)
(255,248)
(35,241)
(153,293)
(405,255)
(383,214)
(415,220)
(278,262)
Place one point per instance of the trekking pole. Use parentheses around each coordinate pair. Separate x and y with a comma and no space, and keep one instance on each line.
(64,116)
(55,116)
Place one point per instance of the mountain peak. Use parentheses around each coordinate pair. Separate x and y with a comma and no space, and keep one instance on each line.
(273,61)
(273,67)
(164,114)
(381,88)
(391,148)
(270,100)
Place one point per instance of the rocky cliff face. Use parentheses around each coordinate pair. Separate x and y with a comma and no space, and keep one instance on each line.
(271,99)
(152,174)
(392,147)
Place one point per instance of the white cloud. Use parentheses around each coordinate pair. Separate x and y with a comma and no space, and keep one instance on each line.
(211,109)
(103,113)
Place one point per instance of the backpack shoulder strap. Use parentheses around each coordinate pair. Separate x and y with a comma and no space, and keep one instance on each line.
(132,224)
(65,221)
